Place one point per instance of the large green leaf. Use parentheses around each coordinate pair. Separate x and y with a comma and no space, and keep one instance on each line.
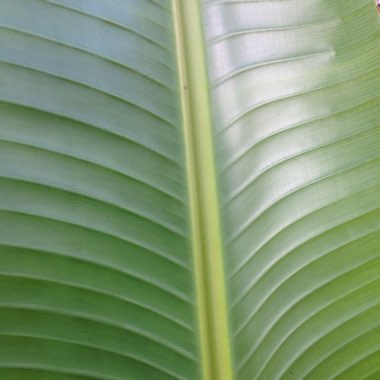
(189,190)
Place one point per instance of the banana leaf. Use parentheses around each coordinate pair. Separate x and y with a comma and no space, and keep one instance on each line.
(189,189)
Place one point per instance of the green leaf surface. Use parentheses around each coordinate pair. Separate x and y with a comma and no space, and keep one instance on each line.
(189,189)
(295,87)
(95,268)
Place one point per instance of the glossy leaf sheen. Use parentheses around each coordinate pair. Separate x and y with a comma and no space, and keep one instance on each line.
(97,270)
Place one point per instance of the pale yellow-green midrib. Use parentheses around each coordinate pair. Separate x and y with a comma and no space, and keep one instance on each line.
(205,220)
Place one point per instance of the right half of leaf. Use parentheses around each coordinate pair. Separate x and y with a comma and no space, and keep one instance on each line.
(295,96)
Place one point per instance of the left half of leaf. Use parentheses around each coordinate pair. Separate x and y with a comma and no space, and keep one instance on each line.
(95,260)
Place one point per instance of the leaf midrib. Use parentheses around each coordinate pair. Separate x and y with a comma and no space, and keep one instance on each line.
(210,284)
